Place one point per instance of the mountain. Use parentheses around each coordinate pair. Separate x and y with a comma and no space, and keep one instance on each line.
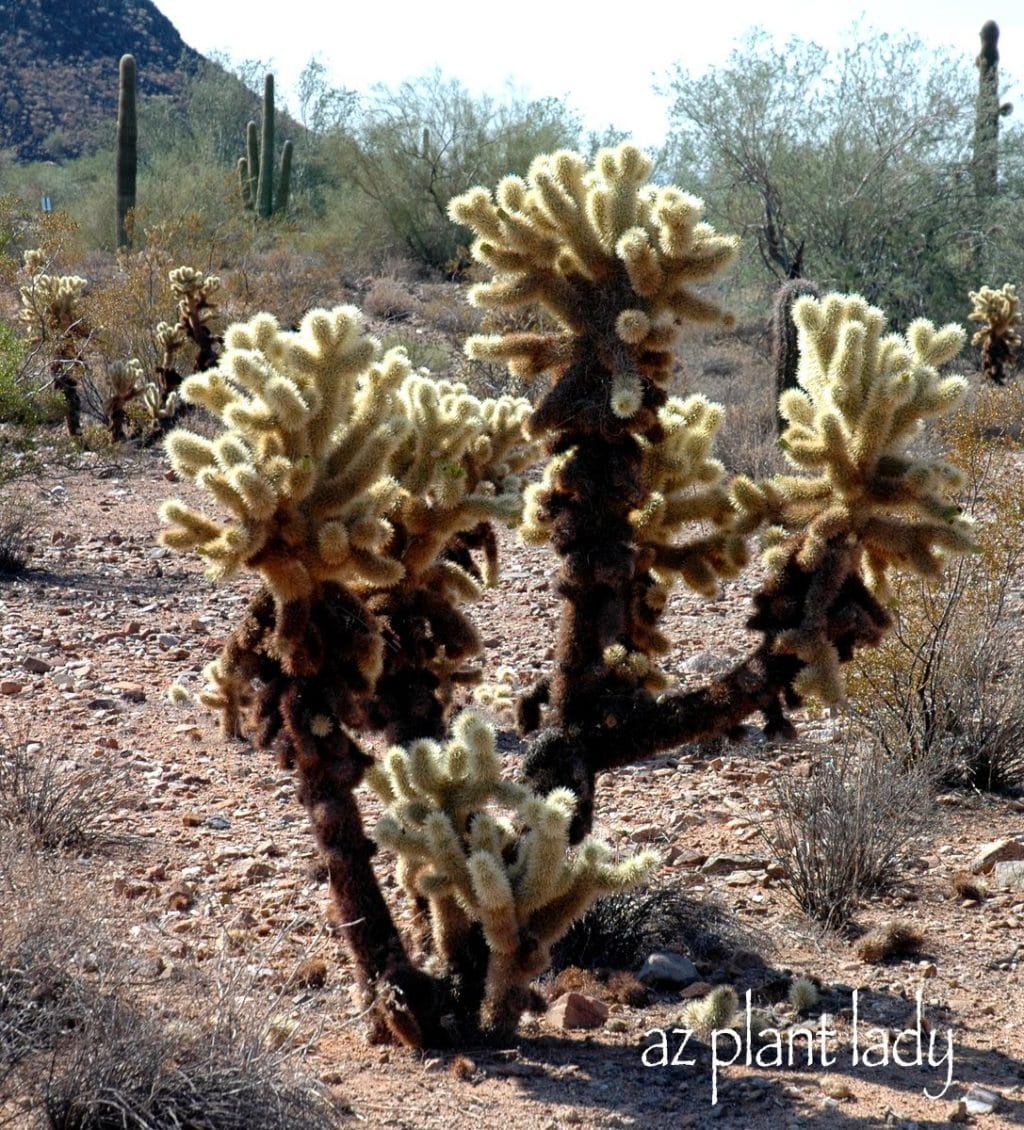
(59,63)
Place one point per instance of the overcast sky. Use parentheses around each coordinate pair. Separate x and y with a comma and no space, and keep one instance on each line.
(604,68)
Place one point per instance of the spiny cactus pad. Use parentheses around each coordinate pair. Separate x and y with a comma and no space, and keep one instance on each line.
(609,256)
(512,874)
(863,397)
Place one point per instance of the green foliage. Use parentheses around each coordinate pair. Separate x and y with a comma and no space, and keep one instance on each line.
(849,164)
(417,145)
(18,404)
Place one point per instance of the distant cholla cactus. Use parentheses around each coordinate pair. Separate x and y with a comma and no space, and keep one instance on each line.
(52,314)
(197,313)
(125,382)
(861,400)
(514,876)
(999,336)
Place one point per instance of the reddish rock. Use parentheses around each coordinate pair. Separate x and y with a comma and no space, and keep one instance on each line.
(574,1010)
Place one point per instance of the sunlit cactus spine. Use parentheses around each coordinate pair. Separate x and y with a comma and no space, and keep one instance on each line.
(512,877)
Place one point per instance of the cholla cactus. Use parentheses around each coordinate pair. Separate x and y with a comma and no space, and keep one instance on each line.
(197,313)
(51,311)
(344,477)
(999,336)
(125,381)
(461,467)
(713,1013)
(864,503)
(613,260)
(514,876)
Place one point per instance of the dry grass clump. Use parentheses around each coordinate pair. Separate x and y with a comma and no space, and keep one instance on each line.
(964,885)
(891,941)
(47,803)
(81,1052)
(391,301)
(841,832)
(19,526)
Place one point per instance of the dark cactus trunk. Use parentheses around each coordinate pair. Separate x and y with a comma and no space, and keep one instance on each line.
(987,113)
(265,179)
(126,148)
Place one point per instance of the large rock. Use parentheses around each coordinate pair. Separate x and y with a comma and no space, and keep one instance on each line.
(999,851)
(665,969)
(574,1010)
(1009,875)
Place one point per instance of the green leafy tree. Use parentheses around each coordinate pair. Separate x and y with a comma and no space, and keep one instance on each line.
(848,167)
(420,143)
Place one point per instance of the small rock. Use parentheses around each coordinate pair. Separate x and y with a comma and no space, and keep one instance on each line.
(999,851)
(35,666)
(724,863)
(647,834)
(181,898)
(574,1010)
(165,640)
(130,889)
(191,819)
(981,1100)
(696,990)
(707,663)
(220,823)
(1009,875)
(667,968)
(9,686)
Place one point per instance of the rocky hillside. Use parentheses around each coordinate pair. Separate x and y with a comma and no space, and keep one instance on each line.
(58,69)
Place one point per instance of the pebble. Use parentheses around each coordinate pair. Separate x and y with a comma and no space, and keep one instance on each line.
(664,967)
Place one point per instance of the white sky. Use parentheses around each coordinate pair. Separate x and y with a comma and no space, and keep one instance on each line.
(603,67)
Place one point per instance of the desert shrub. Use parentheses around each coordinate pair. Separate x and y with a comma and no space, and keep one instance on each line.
(19,524)
(840,832)
(389,300)
(56,805)
(946,690)
(413,147)
(24,399)
(620,931)
(125,1071)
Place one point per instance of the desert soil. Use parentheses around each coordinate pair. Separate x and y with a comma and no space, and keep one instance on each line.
(222,867)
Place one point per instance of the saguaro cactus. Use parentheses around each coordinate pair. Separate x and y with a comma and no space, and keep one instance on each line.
(988,111)
(126,148)
(256,168)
